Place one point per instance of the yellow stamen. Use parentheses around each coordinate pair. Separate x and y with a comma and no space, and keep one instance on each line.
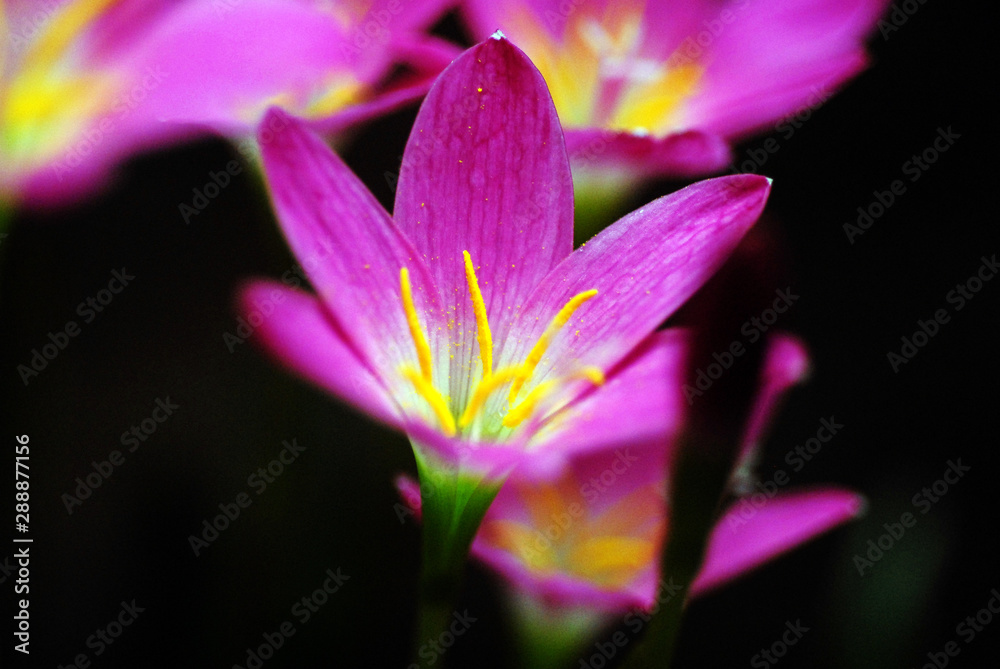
(482,324)
(484,390)
(434,398)
(536,353)
(527,407)
(416,332)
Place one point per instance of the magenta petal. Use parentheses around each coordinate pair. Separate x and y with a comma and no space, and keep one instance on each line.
(646,387)
(492,460)
(781,56)
(786,363)
(300,333)
(219,68)
(643,267)
(750,534)
(350,248)
(485,171)
(685,154)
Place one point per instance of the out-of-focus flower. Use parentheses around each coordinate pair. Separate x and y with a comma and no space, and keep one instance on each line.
(466,319)
(86,83)
(661,87)
(589,534)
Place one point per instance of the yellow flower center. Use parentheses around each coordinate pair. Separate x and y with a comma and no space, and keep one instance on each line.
(421,375)
(47,101)
(598,77)
(564,534)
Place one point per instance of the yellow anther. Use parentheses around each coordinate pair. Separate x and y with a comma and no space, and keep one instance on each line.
(416,332)
(593,374)
(536,353)
(527,407)
(432,397)
(484,390)
(482,324)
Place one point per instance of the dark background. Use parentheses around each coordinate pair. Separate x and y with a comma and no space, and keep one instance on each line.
(333,506)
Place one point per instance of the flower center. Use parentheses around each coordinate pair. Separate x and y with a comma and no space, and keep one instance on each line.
(559,532)
(516,412)
(48,100)
(598,76)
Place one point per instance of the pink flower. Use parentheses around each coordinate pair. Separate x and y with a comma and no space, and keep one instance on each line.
(466,319)
(588,532)
(86,83)
(661,87)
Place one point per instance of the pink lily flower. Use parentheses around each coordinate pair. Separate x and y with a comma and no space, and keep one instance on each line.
(86,83)
(466,319)
(588,533)
(663,87)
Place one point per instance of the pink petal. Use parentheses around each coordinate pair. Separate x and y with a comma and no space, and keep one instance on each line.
(757,529)
(646,387)
(643,267)
(780,57)
(350,248)
(492,460)
(786,363)
(556,588)
(299,332)
(485,171)
(685,154)
(221,67)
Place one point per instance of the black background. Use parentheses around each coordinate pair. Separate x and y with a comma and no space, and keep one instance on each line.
(333,507)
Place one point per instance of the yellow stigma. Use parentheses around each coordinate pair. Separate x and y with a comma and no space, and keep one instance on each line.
(434,398)
(482,324)
(527,407)
(419,340)
(536,353)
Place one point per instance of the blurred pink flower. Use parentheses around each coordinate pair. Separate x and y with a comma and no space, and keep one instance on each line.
(466,319)
(86,83)
(662,87)
(587,530)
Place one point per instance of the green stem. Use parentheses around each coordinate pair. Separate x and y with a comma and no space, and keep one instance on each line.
(552,637)
(598,201)
(697,490)
(453,503)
